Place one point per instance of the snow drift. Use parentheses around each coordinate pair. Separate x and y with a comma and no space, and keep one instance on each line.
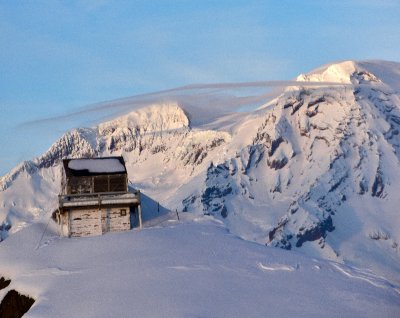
(191,269)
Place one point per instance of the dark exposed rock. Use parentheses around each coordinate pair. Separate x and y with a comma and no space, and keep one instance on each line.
(277,164)
(338,183)
(15,305)
(311,113)
(188,201)
(4,228)
(293,210)
(395,119)
(215,192)
(304,131)
(323,138)
(4,283)
(199,152)
(363,187)
(316,101)
(378,185)
(195,156)
(256,154)
(158,148)
(379,235)
(283,242)
(316,232)
(217,188)
(288,104)
(274,145)
(316,127)
(297,106)
(277,187)
(364,77)
(216,143)
(224,212)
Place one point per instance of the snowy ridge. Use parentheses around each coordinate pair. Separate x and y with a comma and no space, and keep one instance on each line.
(315,169)
(154,118)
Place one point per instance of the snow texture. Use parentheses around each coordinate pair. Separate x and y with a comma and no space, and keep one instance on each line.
(190,269)
(103,165)
(313,170)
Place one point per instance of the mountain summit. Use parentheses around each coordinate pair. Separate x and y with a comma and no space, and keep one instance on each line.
(315,169)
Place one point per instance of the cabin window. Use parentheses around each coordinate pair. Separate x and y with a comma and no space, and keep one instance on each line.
(123,212)
(101,184)
(117,183)
(97,184)
(79,185)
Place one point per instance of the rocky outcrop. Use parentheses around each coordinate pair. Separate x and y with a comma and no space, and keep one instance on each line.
(314,146)
(4,282)
(15,305)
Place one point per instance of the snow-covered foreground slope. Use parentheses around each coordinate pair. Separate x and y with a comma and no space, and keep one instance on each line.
(190,269)
(316,169)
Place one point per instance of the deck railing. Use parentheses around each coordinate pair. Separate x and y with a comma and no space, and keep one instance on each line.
(100,198)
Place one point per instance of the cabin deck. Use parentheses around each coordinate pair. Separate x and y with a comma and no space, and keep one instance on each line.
(99,199)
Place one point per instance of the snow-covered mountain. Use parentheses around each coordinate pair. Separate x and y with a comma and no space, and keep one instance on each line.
(315,169)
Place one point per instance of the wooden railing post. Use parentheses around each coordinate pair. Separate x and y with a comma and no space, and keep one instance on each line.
(140,215)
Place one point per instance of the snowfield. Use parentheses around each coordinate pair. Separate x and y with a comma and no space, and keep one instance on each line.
(195,268)
(314,169)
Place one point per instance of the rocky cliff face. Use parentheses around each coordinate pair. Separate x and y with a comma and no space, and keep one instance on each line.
(315,169)
(321,166)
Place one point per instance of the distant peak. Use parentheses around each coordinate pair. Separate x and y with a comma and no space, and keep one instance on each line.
(338,73)
(354,72)
(155,117)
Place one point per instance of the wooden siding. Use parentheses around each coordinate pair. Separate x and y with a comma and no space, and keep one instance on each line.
(88,222)
(113,221)
(84,222)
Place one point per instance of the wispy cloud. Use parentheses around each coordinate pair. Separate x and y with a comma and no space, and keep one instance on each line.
(220,97)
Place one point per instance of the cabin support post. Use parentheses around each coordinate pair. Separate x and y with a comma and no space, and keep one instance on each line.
(140,215)
(69,223)
(59,221)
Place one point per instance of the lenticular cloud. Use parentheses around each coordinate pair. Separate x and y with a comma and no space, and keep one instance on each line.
(222,98)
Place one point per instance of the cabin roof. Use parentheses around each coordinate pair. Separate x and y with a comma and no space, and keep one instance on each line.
(94,166)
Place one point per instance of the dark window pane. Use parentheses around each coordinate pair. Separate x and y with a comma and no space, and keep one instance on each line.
(79,185)
(117,183)
(101,184)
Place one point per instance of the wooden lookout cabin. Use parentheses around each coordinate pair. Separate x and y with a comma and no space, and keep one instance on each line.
(95,198)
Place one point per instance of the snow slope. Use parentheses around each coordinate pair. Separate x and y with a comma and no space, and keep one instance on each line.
(315,169)
(191,269)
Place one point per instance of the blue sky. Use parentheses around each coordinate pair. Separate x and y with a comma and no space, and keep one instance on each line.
(57,56)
